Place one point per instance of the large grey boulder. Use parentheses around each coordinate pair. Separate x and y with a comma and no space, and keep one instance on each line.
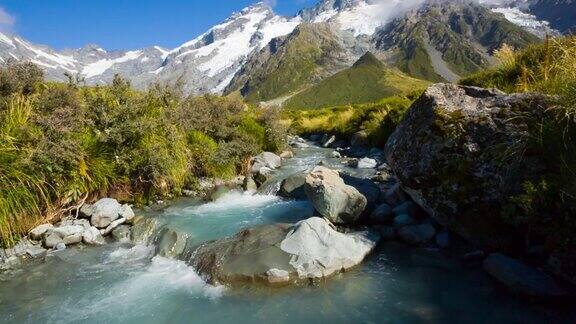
(67,234)
(266,159)
(246,256)
(459,153)
(39,231)
(317,250)
(92,236)
(105,211)
(522,278)
(293,186)
(283,253)
(332,198)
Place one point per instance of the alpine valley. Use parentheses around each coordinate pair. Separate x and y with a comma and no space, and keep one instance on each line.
(364,161)
(254,48)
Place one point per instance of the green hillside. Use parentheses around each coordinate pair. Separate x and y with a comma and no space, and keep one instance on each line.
(286,65)
(367,81)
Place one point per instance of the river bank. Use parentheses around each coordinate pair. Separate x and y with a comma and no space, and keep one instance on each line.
(127,282)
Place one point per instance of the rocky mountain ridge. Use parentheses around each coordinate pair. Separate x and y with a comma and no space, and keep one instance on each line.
(209,62)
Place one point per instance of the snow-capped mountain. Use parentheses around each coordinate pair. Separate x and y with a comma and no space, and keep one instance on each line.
(360,17)
(209,62)
(205,64)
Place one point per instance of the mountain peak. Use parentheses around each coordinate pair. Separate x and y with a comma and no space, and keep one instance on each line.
(258,7)
(369,59)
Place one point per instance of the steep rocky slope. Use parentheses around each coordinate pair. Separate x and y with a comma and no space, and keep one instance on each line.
(446,40)
(440,41)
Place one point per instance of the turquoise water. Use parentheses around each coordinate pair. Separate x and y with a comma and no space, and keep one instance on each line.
(127,284)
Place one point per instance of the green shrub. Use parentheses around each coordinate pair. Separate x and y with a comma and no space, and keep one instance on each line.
(62,142)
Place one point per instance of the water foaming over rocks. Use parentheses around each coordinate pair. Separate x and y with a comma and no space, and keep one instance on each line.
(128,255)
(162,279)
(234,200)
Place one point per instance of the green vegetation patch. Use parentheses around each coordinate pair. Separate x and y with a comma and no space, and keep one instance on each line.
(378,120)
(367,81)
(60,143)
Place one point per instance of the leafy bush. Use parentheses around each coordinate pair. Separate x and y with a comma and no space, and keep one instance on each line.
(60,143)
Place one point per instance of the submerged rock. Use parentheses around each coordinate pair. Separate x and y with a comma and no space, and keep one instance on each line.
(282,253)
(395,195)
(332,198)
(382,215)
(367,188)
(406,208)
(403,220)
(171,243)
(144,230)
(417,234)
(522,278)
(121,233)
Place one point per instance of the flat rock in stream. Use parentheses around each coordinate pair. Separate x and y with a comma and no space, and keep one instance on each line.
(283,253)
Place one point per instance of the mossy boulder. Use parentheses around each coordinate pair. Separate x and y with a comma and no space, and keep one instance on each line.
(461,153)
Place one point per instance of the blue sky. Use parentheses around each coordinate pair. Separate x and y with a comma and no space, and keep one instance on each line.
(121,24)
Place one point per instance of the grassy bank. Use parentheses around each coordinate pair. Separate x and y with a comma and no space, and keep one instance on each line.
(548,204)
(62,142)
(378,120)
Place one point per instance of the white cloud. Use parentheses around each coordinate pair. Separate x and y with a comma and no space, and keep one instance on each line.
(7,21)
